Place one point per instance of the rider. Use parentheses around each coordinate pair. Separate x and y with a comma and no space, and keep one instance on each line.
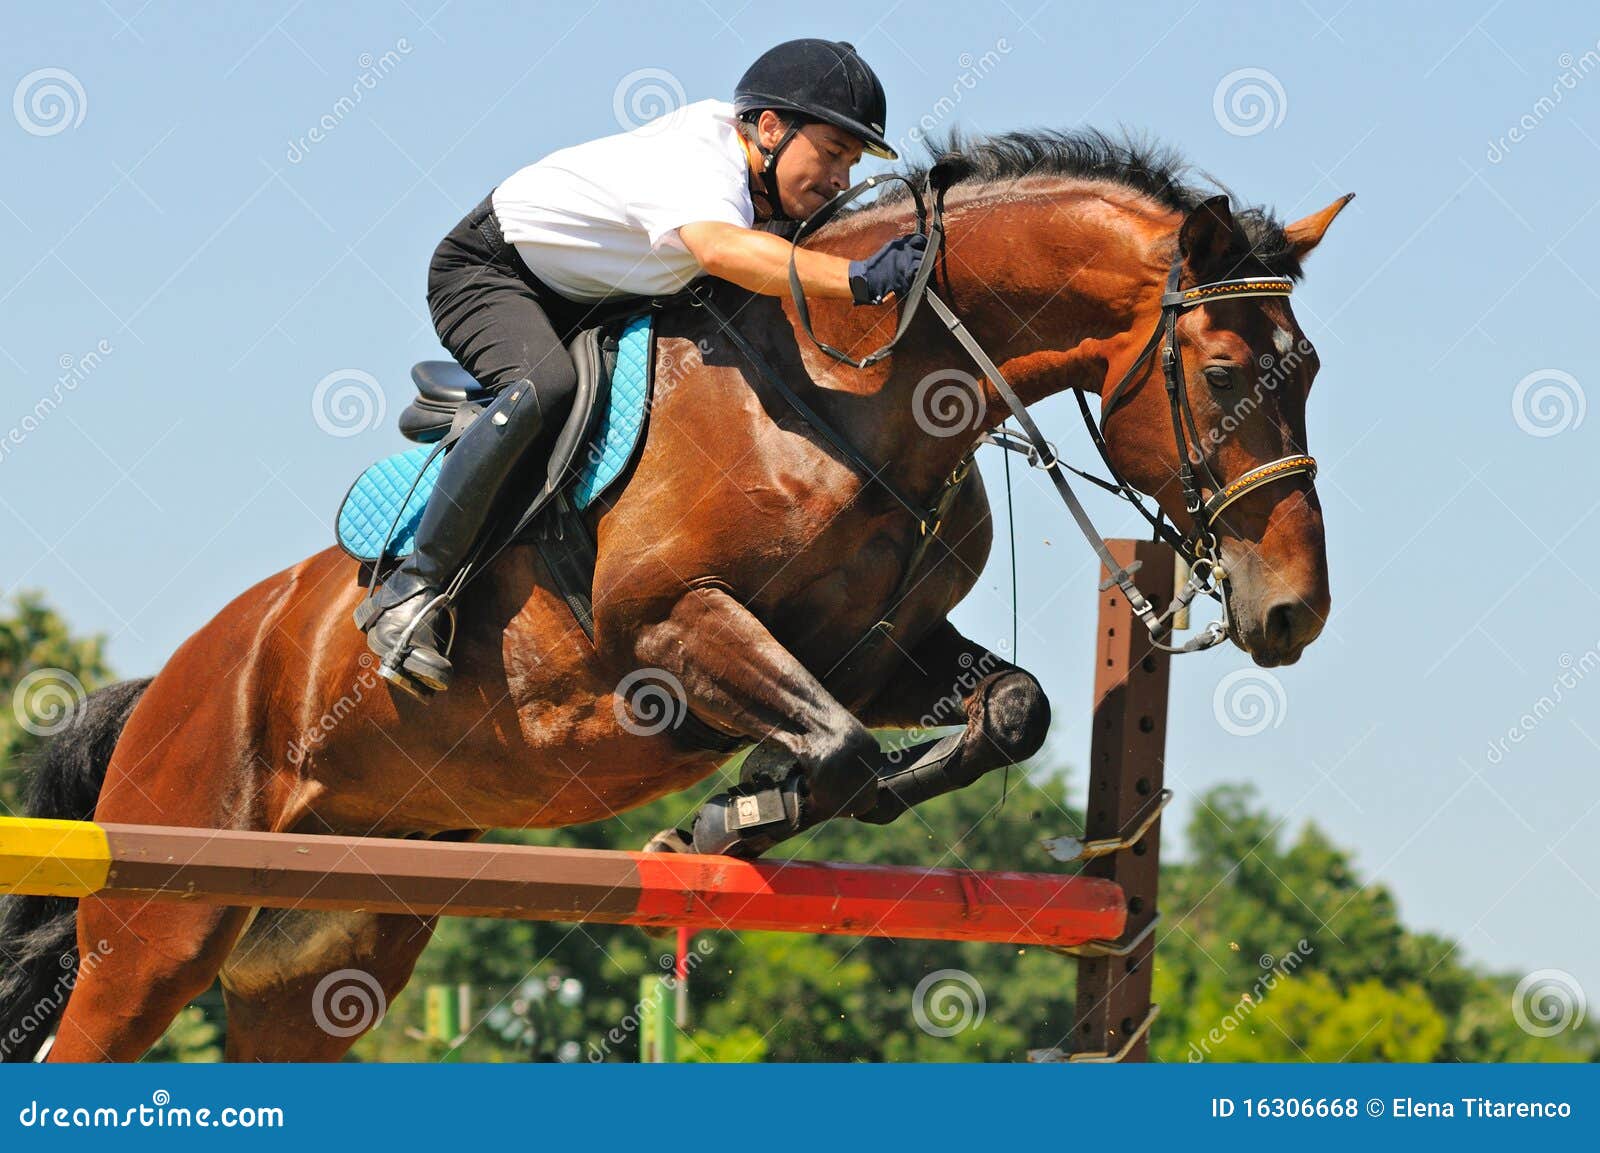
(642,213)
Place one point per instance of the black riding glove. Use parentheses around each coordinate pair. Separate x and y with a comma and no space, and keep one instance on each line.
(890,269)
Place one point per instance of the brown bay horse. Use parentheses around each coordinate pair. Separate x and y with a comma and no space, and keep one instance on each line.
(739,564)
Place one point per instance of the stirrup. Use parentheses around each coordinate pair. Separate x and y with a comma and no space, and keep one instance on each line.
(393,666)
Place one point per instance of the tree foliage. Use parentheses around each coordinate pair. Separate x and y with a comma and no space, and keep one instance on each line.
(42,669)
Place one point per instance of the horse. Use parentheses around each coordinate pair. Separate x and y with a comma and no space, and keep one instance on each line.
(736,569)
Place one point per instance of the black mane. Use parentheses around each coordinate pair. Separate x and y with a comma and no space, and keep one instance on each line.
(1156,170)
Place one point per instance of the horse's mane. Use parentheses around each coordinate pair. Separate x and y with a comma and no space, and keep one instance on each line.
(1148,167)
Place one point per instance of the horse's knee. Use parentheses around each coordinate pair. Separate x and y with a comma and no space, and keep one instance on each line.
(1014,714)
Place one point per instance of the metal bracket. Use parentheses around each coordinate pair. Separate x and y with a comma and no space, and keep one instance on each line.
(1051,1056)
(1118,948)
(1068,848)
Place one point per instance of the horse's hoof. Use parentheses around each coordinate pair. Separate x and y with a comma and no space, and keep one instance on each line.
(669,841)
(666,841)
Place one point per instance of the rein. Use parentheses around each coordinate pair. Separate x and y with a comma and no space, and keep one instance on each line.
(1199,547)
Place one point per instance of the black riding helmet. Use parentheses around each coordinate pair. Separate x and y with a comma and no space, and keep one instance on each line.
(813,80)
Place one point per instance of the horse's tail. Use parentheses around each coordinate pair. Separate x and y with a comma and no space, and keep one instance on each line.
(39,935)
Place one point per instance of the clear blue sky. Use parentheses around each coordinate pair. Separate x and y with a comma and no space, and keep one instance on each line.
(175,213)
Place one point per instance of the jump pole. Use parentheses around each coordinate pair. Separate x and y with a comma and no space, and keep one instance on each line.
(83,859)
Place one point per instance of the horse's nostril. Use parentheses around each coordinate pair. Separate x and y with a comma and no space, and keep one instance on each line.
(1281,620)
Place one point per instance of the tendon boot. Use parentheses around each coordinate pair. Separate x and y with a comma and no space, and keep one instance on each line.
(751,817)
(771,803)
(402,621)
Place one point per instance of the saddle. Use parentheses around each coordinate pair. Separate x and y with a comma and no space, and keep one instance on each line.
(378,516)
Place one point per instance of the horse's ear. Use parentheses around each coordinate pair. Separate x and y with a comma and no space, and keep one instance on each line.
(1306,233)
(1207,235)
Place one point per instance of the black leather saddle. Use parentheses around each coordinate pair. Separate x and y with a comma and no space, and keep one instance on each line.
(443,386)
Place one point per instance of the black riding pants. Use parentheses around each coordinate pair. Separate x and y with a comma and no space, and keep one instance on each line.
(500,322)
(504,326)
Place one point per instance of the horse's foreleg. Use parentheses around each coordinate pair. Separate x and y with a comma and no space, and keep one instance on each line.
(737,676)
(948,680)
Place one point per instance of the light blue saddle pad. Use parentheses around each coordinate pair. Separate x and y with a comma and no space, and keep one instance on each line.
(386,502)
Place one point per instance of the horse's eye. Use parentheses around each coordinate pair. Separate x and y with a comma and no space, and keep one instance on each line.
(1221,375)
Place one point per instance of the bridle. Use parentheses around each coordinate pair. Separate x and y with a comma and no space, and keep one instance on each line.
(1198,547)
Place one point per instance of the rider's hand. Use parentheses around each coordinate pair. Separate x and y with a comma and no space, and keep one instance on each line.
(888,271)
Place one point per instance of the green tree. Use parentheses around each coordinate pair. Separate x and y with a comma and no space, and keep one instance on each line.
(1271,952)
(44,670)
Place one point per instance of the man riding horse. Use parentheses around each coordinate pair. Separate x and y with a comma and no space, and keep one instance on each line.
(637,214)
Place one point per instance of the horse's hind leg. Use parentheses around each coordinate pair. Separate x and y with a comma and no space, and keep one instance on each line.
(139,964)
(305,986)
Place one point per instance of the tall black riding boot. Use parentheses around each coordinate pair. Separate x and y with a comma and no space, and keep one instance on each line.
(402,621)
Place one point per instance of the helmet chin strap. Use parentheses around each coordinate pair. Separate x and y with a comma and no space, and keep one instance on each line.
(769,169)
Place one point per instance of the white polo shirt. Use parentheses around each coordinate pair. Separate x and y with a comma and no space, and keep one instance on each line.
(600,219)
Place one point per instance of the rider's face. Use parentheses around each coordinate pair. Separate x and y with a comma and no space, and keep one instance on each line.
(814,167)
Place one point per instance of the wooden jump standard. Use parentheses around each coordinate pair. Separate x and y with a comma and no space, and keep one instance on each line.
(81,859)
